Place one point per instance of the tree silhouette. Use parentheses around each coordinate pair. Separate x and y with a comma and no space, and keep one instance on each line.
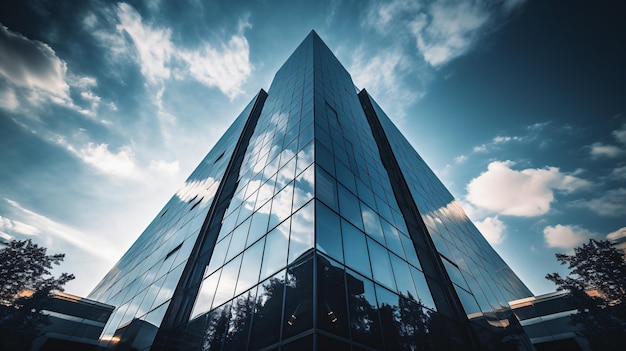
(598,266)
(26,285)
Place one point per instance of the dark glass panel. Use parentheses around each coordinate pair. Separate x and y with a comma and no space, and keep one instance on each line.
(325,343)
(332,315)
(381,267)
(298,314)
(326,189)
(328,232)
(469,303)
(216,326)
(425,296)
(371,222)
(392,237)
(241,311)
(404,280)
(355,249)
(267,312)
(302,344)
(349,207)
(409,250)
(455,274)
(364,321)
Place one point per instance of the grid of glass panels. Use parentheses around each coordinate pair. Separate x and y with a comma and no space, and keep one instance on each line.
(371,291)
(142,283)
(483,281)
(265,288)
(268,225)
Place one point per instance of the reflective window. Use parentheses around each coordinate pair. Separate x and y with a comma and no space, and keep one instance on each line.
(328,232)
(332,313)
(298,314)
(354,248)
(381,266)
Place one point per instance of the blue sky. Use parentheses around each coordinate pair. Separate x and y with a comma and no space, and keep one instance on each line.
(106,107)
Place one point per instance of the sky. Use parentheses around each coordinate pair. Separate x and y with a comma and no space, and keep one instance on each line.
(106,107)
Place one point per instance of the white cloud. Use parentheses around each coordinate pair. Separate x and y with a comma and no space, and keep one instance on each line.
(620,233)
(480,148)
(153,45)
(525,193)
(460,159)
(620,134)
(447,30)
(225,67)
(618,173)
(48,229)
(599,150)
(566,236)
(16,227)
(381,74)
(98,155)
(493,229)
(442,30)
(612,203)
(169,168)
(8,98)
(32,65)
(121,164)
(37,76)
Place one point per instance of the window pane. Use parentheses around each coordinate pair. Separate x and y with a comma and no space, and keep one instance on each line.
(267,312)
(276,246)
(228,280)
(364,320)
(403,277)
(328,232)
(355,249)
(382,266)
(371,223)
(298,314)
(250,266)
(331,296)
(302,232)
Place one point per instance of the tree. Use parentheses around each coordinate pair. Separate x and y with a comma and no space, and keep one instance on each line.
(26,287)
(598,266)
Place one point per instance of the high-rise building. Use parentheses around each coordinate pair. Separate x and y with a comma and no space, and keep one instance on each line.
(312,224)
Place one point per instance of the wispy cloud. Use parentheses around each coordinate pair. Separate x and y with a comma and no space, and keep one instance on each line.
(620,134)
(612,203)
(10,228)
(381,74)
(526,193)
(620,233)
(35,76)
(441,30)
(566,236)
(226,66)
(48,229)
(600,150)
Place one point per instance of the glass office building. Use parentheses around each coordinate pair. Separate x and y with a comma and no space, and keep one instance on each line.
(312,225)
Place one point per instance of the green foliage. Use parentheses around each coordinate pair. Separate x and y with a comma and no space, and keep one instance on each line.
(598,266)
(26,285)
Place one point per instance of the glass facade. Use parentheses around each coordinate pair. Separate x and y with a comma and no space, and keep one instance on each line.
(292,235)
